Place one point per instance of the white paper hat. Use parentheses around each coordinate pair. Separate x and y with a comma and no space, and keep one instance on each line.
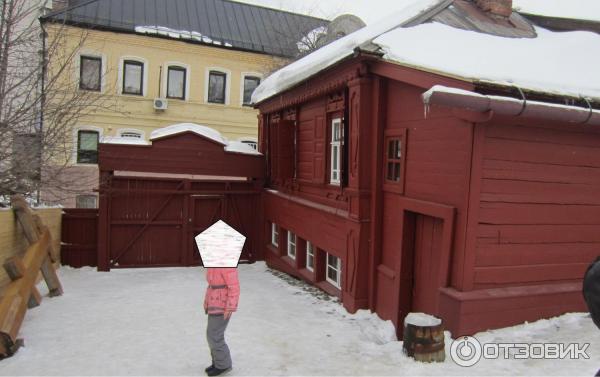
(220,245)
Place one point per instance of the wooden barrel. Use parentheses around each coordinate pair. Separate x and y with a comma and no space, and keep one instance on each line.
(424,340)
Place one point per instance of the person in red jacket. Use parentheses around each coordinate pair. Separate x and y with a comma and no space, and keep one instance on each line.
(220,301)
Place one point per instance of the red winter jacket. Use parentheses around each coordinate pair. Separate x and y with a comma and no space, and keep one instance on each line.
(223,291)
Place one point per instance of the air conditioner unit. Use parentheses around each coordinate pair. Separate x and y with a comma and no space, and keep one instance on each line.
(160,104)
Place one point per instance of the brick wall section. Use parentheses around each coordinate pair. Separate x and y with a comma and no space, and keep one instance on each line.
(13,241)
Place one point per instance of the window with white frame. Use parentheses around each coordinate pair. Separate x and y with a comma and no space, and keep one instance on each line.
(274,234)
(90,73)
(133,77)
(334,270)
(291,245)
(250,84)
(310,256)
(217,86)
(176,84)
(336,155)
(87,147)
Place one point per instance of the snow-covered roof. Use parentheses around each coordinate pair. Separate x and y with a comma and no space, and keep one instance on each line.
(180,34)
(554,62)
(336,51)
(198,129)
(123,140)
(576,9)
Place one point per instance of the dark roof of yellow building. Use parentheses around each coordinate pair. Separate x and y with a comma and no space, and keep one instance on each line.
(221,23)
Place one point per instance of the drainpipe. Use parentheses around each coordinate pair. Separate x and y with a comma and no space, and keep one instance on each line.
(464,99)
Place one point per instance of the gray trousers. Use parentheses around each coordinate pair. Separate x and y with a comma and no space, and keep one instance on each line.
(215,335)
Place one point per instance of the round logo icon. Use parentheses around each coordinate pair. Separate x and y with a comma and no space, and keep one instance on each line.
(466,351)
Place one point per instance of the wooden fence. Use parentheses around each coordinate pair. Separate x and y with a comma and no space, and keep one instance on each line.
(13,241)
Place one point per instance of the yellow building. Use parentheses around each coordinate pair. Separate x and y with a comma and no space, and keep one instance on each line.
(156,63)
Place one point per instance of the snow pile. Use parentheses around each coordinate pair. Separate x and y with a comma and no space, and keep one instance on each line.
(123,140)
(327,56)
(560,63)
(577,9)
(421,319)
(374,329)
(180,34)
(198,129)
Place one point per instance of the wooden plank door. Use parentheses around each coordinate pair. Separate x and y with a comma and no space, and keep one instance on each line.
(427,251)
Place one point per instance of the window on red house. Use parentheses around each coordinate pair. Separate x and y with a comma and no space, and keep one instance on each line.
(394,160)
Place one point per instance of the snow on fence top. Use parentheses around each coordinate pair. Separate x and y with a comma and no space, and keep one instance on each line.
(563,63)
(124,140)
(336,51)
(198,129)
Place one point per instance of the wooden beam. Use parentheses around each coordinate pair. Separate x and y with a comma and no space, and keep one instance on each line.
(33,229)
(14,303)
(15,270)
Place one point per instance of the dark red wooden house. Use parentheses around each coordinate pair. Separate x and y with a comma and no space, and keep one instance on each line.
(480,207)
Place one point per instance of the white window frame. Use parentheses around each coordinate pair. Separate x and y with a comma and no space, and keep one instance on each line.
(243,79)
(227,73)
(292,242)
(165,79)
(337,268)
(103,70)
(88,196)
(335,150)
(122,131)
(310,252)
(274,235)
(121,75)
(75,141)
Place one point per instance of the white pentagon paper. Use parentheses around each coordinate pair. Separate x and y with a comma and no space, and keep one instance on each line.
(220,245)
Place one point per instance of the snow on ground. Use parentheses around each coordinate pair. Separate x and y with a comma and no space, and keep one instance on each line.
(151,322)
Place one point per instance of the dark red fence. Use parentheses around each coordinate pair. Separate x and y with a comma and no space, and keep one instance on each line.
(79,237)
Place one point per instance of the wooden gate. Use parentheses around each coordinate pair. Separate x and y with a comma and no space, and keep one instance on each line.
(155,199)
(79,237)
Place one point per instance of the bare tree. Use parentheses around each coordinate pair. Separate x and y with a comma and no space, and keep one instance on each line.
(40,100)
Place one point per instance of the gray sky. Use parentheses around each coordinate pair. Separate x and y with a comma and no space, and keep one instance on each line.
(372,10)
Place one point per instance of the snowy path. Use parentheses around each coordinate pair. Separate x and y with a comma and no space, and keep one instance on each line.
(150,322)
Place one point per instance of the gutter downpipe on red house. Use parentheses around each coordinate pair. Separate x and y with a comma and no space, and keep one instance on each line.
(480,103)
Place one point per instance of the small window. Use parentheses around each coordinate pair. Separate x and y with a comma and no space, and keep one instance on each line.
(87,147)
(250,84)
(86,201)
(336,145)
(176,77)
(131,134)
(133,77)
(216,87)
(310,256)
(274,235)
(394,159)
(291,245)
(90,73)
(334,270)
(251,143)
